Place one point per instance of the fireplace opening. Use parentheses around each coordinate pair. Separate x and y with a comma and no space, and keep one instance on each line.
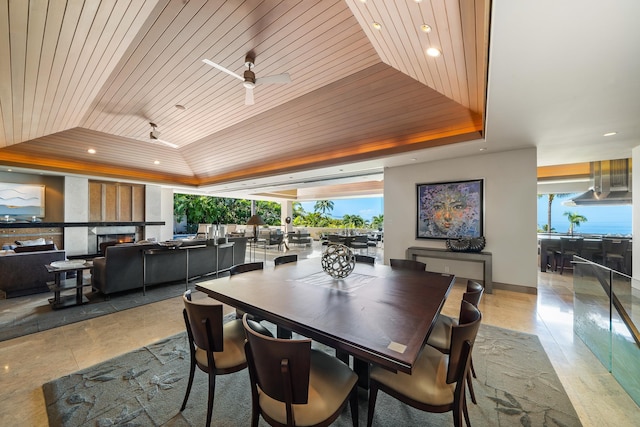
(106,240)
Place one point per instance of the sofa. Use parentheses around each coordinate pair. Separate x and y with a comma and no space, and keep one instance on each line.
(125,266)
(24,273)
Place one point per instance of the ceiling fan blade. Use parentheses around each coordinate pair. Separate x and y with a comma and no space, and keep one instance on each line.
(275,79)
(248,97)
(221,68)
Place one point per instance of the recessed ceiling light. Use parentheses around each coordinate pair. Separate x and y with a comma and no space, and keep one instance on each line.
(9,170)
(180,107)
(610,133)
(425,28)
(434,52)
(156,162)
(91,151)
(418,1)
(413,159)
(483,149)
(376,25)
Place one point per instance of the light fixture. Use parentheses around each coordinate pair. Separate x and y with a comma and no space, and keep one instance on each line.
(610,133)
(156,162)
(91,151)
(376,25)
(255,220)
(425,28)
(180,107)
(434,52)
(483,148)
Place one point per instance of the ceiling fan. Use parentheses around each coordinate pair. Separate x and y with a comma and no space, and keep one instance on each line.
(249,79)
(154,137)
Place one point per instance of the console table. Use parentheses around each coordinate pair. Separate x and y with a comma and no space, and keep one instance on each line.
(482,257)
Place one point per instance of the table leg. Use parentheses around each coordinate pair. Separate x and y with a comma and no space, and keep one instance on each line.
(56,292)
(79,279)
(361,368)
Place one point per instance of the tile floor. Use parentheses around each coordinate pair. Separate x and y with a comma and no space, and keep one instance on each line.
(28,362)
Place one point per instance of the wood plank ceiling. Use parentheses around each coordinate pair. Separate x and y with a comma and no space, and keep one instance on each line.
(85,74)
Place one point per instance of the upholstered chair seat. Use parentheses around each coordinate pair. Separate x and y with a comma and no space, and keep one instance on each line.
(233,344)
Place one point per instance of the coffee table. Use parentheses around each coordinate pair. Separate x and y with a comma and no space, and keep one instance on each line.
(376,314)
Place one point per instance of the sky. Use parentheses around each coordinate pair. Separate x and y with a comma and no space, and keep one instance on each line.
(367,207)
(600,219)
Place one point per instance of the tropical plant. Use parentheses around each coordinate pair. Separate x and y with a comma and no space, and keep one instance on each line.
(323,206)
(575,219)
(353,221)
(377,222)
(550,198)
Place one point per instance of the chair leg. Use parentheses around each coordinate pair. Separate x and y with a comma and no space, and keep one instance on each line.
(465,411)
(471,392)
(473,371)
(190,383)
(212,392)
(353,402)
(373,393)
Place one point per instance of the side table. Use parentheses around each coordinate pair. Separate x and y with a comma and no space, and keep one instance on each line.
(59,284)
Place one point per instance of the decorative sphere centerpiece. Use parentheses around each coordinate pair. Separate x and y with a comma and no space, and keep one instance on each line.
(338,261)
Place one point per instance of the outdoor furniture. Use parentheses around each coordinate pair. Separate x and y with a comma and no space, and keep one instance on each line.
(569,247)
(359,243)
(365,258)
(291,384)
(437,383)
(613,253)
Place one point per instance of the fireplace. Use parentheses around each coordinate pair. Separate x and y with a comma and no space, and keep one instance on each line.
(102,236)
(104,240)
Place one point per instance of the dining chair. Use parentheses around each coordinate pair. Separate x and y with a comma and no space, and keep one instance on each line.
(437,382)
(293,384)
(368,259)
(613,253)
(407,264)
(440,336)
(569,246)
(245,268)
(215,349)
(285,259)
(360,243)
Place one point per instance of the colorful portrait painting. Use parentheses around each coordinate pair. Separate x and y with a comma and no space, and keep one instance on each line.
(450,210)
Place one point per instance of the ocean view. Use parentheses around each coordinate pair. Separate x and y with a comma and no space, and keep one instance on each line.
(612,220)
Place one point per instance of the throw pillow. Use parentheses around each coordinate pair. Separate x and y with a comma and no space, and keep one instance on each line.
(34,242)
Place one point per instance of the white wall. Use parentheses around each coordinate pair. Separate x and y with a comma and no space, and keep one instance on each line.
(510,206)
(159,207)
(76,209)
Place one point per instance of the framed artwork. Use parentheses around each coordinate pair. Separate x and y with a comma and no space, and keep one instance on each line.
(21,200)
(448,210)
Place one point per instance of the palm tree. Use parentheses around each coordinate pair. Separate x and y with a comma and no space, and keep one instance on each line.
(323,206)
(574,220)
(551,196)
(377,221)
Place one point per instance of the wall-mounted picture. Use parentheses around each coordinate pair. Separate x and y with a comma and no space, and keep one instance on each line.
(21,200)
(449,210)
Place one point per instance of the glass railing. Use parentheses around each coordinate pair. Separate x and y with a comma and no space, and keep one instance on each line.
(605,316)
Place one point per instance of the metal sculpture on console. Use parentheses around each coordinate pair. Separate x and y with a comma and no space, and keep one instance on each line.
(338,261)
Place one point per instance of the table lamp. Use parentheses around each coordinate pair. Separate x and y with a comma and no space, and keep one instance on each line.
(255,220)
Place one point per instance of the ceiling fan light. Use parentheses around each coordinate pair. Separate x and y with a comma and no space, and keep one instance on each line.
(425,28)
(249,85)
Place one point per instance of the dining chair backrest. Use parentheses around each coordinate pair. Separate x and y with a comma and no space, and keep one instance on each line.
(474,292)
(407,264)
(461,334)
(334,238)
(285,259)
(244,268)
(615,246)
(274,361)
(204,323)
(571,245)
(365,259)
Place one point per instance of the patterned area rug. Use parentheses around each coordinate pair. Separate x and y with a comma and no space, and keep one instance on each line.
(516,385)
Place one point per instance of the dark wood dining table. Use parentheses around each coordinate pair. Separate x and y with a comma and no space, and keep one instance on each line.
(376,314)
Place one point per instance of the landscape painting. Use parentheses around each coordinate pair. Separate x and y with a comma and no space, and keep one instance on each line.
(21,200)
